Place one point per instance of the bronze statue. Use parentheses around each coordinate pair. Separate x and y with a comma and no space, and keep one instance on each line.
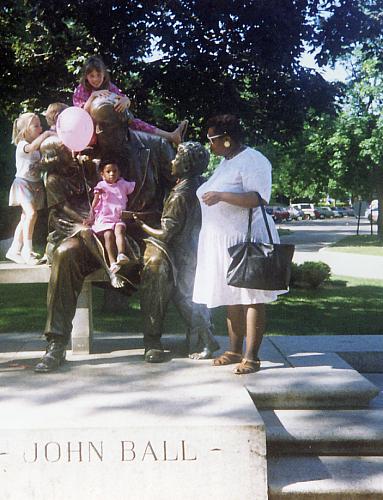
(170,259)
(142,157)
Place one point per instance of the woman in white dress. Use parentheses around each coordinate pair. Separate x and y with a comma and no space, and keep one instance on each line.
(225,201)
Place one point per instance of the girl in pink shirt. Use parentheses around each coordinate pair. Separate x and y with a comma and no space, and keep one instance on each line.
(110,199)
(95,81)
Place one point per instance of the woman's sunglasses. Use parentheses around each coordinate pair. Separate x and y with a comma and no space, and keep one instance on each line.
(212,137)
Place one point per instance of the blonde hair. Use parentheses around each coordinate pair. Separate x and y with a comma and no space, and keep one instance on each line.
(20,126)
(52,112)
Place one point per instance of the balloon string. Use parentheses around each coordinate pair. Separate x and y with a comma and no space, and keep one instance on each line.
(84,179)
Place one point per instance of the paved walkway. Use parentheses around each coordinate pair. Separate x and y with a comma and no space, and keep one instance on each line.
(345,264)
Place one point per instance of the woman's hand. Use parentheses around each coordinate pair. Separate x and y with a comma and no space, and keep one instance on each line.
(122,104)
(212,198)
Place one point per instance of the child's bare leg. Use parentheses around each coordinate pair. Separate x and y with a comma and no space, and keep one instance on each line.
(119,232)
(91,243)
(30,217)
(177,136)
(17,242)
(110,246)
(29,222)
(14,250)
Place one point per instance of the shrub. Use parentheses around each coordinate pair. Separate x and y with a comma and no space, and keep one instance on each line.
(309,274)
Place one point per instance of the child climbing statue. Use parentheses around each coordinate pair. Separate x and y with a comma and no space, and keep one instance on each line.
(27,189)
(95,82)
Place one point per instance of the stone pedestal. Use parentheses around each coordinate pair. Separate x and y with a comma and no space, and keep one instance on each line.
(111,426)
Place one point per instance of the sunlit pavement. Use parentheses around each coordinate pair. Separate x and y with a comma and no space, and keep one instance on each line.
(313,238)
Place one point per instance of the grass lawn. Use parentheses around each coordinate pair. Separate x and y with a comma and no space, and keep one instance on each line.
(343,306)
(362,244)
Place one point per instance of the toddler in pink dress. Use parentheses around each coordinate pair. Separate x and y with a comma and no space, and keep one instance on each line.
(110,198)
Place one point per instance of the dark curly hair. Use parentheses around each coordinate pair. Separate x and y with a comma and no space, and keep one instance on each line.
(227,124)
(94,63)
(104,163)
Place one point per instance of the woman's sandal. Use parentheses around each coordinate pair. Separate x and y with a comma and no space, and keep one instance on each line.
(227,358)
(247,366)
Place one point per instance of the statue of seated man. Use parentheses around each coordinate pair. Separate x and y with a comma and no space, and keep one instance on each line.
(170,260)
(142,157)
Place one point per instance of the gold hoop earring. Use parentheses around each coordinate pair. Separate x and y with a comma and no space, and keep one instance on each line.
(227,143)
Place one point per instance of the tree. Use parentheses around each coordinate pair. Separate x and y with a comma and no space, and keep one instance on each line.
(358,139)
(215,56)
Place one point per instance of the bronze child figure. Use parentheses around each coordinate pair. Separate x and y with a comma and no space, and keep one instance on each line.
(170,260)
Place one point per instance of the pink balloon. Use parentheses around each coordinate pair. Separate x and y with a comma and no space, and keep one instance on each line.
(75,128)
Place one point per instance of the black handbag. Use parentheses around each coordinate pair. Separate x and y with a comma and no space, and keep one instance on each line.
(261,266)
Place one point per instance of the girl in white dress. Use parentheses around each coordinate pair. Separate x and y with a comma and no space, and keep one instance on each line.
(27,189)
(225,201)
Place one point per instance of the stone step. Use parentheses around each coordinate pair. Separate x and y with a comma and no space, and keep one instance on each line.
(310,387)
(318,432)
(325,478)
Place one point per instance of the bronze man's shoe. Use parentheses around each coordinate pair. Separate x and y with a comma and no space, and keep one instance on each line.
(53,358)
(155,356)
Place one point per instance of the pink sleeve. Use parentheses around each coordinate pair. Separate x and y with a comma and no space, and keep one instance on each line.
(137,124)
(80,96)
(113,88)
(129,186)
(98,188)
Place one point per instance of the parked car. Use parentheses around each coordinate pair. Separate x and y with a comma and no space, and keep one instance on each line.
(279,214)
(338,211)
(308,209)
(295,213)
(325,213)
(345,211)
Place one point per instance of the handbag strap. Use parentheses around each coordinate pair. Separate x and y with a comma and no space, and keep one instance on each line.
(248,236)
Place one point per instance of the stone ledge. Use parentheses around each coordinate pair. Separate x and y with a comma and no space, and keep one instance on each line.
(325,478)
(22,273)
(310,387)
(310,432)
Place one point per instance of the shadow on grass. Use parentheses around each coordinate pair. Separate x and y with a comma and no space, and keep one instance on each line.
(334,309)
(342,307)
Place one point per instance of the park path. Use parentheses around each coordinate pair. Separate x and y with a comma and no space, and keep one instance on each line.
(313,238)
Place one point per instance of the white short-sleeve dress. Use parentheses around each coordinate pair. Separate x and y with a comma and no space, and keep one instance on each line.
(224,225)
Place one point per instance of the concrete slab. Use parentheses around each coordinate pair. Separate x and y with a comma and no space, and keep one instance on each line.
(310,387)
(293,344)
(376,379)
(325,478)
(318,432)
(364,353)
(110,426)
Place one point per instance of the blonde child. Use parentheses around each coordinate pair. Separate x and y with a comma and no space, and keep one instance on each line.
(95,82)
(27,189)
(110,199)
(52,112)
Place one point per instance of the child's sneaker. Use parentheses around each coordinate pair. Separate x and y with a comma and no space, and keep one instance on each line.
(14,256)
(122,259)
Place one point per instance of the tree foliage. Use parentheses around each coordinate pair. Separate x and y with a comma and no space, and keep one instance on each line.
(230,55)
(211,56)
